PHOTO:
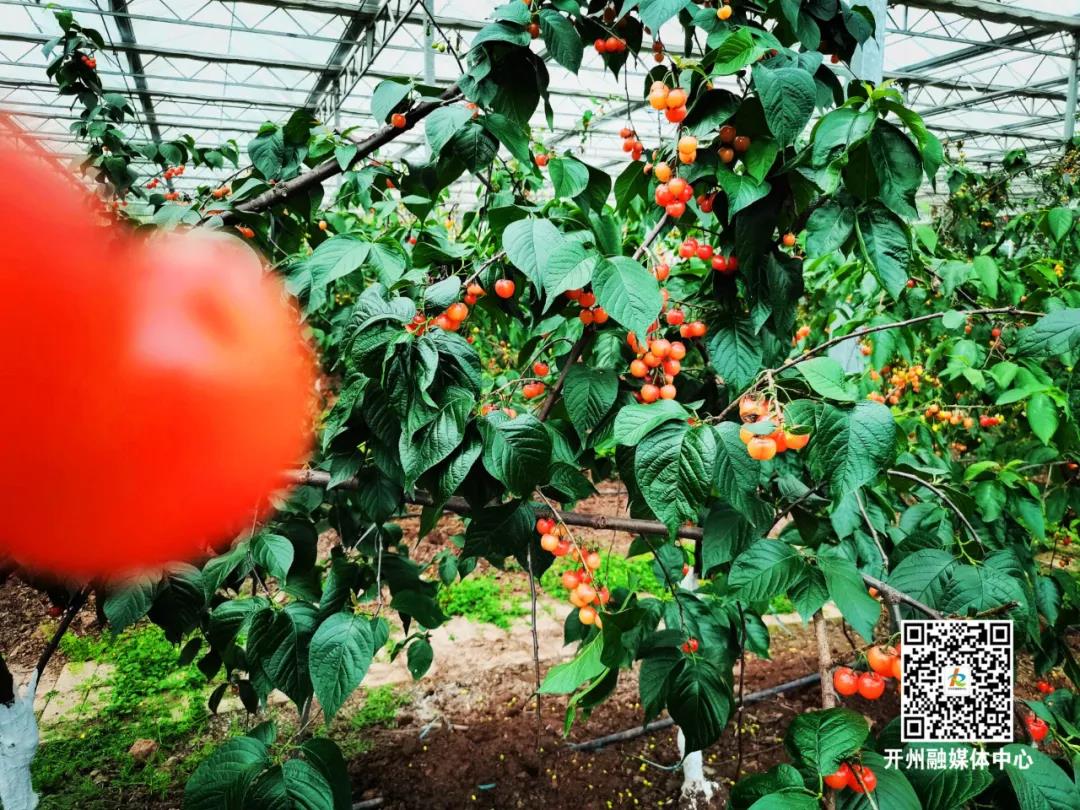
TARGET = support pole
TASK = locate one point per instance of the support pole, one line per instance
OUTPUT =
(429, 43)
(1070, 100)
(868, 61)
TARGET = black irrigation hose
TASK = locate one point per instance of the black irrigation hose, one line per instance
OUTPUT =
(667, 722)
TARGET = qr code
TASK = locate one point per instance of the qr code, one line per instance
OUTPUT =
(957, 683)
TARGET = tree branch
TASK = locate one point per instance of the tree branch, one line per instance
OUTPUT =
(869, 330)
(330, 167)
(941, 494)
(572, 357)
(460, 506)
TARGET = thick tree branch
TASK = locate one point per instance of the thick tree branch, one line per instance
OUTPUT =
(328, 168)
(460, 506)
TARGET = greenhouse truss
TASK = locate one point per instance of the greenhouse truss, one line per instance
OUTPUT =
(990, 76)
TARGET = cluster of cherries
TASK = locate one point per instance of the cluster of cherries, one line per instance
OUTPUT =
(672, 101)
(89, 61)
(884, 663)
(691, 247)
(673, 196)
(660, 362)
(583, 593)
(858, 778)
(765, 447)
(449, 320)
(732, 143)
(630, 142)
(801, 334)
(169, 173)
(590, 312)
(535, 388)
(610, 45)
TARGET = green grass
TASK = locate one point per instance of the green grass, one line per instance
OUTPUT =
(616, 571)
(84, 764)
(380, 708)
(482, 598)
(781, 604)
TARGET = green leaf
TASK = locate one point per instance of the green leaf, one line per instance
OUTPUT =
(589, 394)
(341, 652)
(568, 266)
(517, 452)
(279, 641)
(419, 658)
(893, 789)
(569, 176)
(654, 13)
(510, 134)
(273, 552)
(828, 228)
(324, 755)
(986, 270)
(387, 95)
(787, 799)
(827, 377)
(1060, 222)
(673, 466)
(737, 474)
(733, 52)
(838, 132)
(335, 258)
(628, 292)
(293, 785)
(736, 353)
(438, 438)
(847, 590)
(759, 158)
(699, 701)
(267, 153)
(634, 422)
(765, 569)
(787, 96)
(1042, 415)
(953, 320)
(887, 249)
(1051, 335)
(443, 124)
(742, 190)
(528, 243)
(421, 606)
(631, 183)
(563, 679)
(344, 154)
(822, 740)
(474, 146)
(221, 779)
(947, 788)
(849, 447)
(898, 166)
(1043, 786)
(127, 605)
(443, 293)
(562, 39)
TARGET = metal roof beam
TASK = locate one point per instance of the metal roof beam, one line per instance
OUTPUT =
(134, 60)
(998, 13)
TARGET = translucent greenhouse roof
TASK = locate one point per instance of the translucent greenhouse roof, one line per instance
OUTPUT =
(993, 75)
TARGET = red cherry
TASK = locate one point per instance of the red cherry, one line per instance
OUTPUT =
(1037, 728)
(839, 780)
(504, 288)
(845, 681)
(862, 779)
(871, 685)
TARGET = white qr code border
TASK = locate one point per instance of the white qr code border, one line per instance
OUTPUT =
(995, 698)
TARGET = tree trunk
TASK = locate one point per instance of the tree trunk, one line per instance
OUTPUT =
(18, 744)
